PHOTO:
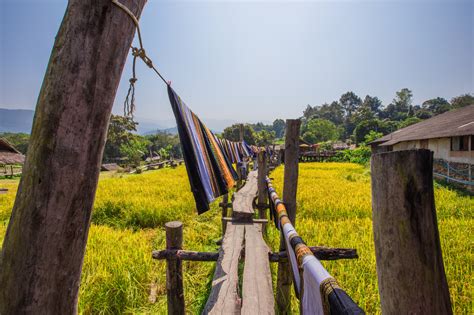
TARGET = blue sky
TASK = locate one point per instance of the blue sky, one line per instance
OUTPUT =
(250, 61)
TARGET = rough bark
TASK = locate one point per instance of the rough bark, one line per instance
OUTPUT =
(174, 269)
(43, 250)
(410, 267)
(290, 183)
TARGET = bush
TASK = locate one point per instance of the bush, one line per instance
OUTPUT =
(360, 155)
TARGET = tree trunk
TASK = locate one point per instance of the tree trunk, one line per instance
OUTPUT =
(43, 250)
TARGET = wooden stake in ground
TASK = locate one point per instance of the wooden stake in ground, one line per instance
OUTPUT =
(292, 142)
(410, 267)
(43, 250)
(174, 269)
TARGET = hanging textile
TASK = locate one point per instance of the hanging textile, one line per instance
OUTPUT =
(209, 172)
(319, 293)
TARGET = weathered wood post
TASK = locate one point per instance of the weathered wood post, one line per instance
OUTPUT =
(174, 269)
(290, 184)
(43, 250)
(262, 186)
(410, 267)
(224, 205)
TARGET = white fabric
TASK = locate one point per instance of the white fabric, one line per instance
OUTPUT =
(313, 274)
(288, 230)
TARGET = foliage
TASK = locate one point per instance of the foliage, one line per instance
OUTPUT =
(409, 121)
(165, 144)
(134, 150)
(359, 155)
(356, 118)
(18, 140)
(372, 136)
(279, 127)
(119, 134)
(462, 100)
(264, 137)
(437, 105)
(318, 130)
(130, 211)
(233, 133)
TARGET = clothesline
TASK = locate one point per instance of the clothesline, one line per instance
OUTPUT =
(318, 291)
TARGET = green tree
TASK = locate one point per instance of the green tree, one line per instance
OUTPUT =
(318, 130)
(233, 133)
(403, 100)
(462, 100)
(264, 137)
(134, 149)
(165, 140)
(372, 136)
(120, 133)
(437, 105)
(365, 127)
(349, 102)
(409, 121)
(279, 128)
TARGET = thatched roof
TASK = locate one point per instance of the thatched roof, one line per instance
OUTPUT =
(459, 122)
(10, 155)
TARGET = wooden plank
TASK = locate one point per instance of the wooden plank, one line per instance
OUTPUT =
(257, 292)
(243, 198)
(224, 297)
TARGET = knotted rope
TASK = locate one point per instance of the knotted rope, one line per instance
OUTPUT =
(137, 52)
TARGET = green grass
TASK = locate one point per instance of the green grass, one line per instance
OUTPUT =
(334, 209)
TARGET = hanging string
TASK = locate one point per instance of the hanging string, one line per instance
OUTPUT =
(137, 52)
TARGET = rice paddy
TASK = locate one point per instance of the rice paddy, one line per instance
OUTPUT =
(334, 209)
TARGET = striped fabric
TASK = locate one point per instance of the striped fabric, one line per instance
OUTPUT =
(210, 173)
(319, 293)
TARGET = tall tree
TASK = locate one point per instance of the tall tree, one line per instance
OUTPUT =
(318, 130)
(349, 102)
(437, 105)
(403, 100)
(120, 133)
(279, 127)
(233, 133)
(43, 249)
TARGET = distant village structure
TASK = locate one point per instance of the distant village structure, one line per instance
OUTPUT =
(449, 135)
(9, 157)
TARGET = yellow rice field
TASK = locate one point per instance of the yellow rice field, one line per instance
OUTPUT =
(333, 210)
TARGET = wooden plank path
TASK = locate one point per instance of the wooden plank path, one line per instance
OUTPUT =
(242, 204)
(257, 295)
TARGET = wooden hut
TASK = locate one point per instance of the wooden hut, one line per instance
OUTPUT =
(9, 156)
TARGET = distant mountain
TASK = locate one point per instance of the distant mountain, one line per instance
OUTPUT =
(16, 120)
(21, 120)
(171, 131)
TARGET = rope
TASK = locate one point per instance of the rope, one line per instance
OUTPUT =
(137, 52)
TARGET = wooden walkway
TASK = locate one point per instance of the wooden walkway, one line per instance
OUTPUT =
(242, 237)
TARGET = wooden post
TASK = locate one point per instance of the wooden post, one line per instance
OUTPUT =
(262, 185)
(43, 250)
(174, 269)
(225, 202)
(241, 132)
(290, 184)
(410, 267)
